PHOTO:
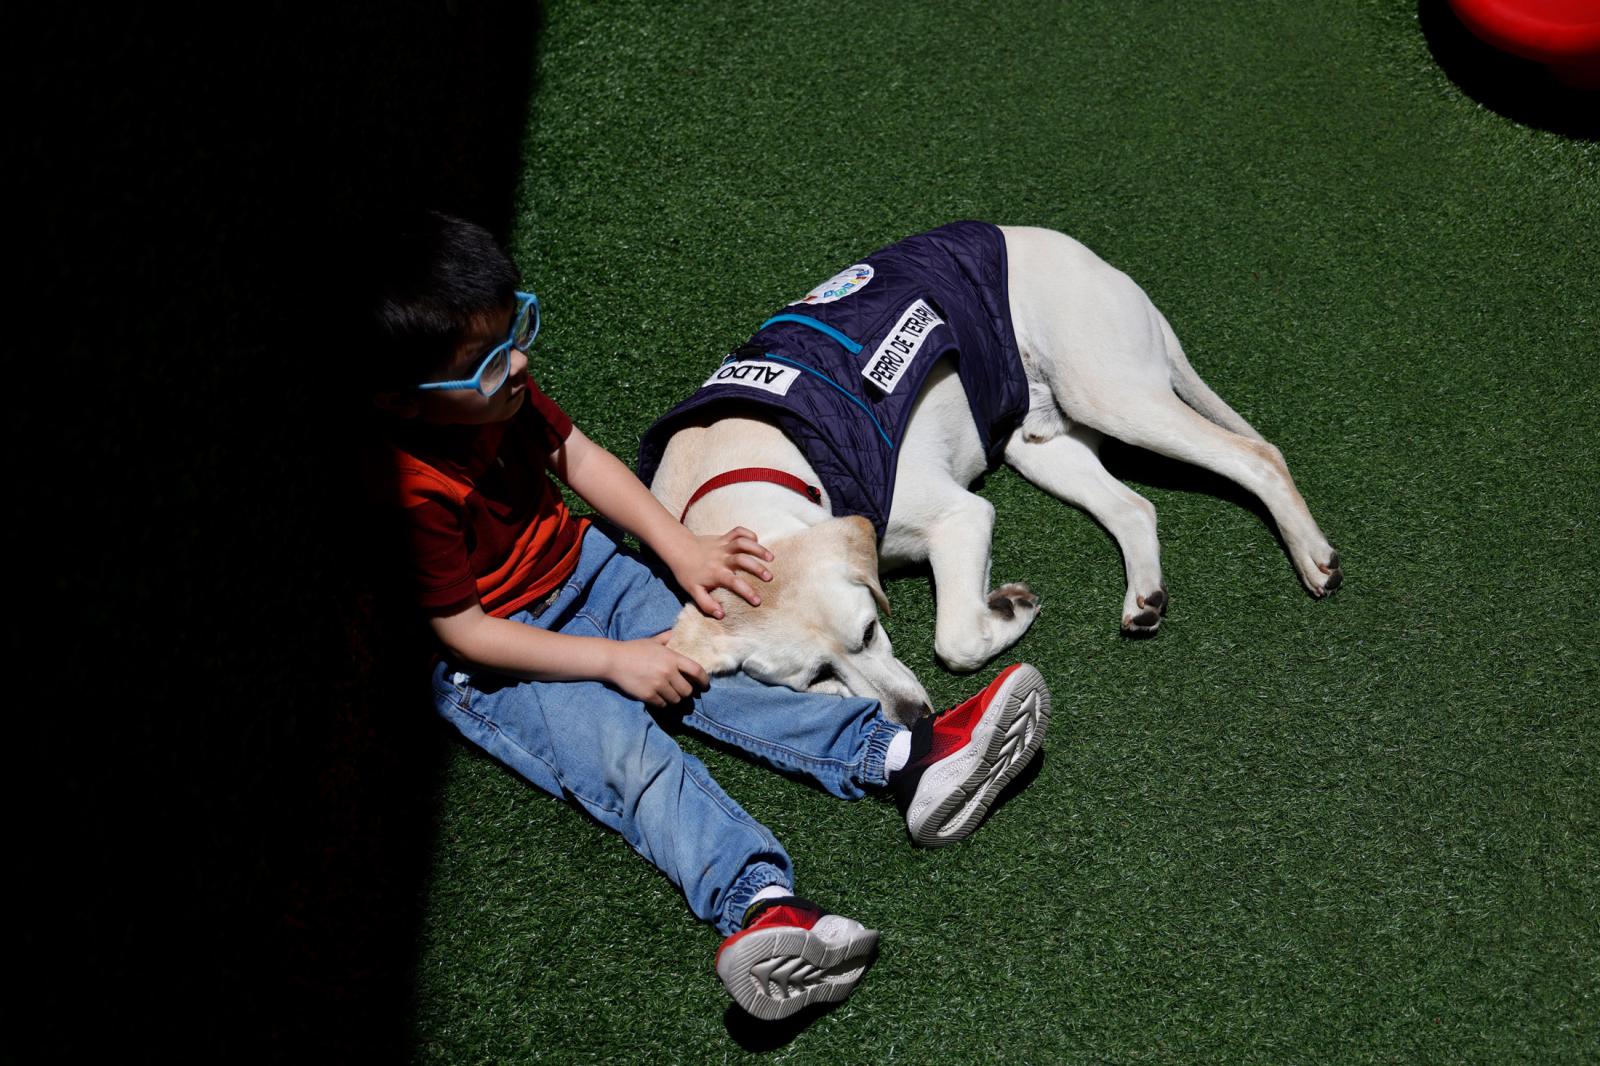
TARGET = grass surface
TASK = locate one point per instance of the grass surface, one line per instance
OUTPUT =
(1358, 830)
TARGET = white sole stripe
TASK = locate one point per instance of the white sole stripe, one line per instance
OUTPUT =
(954, 795)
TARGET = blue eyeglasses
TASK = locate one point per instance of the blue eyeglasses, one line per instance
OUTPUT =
(496, 366)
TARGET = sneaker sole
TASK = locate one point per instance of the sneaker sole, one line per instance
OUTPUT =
(773, 973)
(1006, 739)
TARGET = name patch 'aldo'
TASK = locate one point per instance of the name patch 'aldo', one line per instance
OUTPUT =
(768, 377)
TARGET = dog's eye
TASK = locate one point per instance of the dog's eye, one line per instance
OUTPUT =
(824, 673)
(871, 631)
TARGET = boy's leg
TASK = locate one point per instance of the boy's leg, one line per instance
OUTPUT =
(841, 742)
(588, 741)
(585, 741)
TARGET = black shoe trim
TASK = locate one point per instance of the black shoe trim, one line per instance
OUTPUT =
(904, 781)
(756, 909)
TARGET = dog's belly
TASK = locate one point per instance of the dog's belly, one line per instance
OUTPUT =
(940, 455)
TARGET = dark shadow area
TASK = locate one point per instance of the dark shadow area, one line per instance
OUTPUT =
(1520, 89)
(1128, 463)
(227, 805)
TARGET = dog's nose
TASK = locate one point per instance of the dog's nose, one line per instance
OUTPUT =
(906, 712)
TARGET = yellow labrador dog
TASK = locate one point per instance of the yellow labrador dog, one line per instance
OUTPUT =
(1092, 357)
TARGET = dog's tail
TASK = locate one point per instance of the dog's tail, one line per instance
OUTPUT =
(1196, 393)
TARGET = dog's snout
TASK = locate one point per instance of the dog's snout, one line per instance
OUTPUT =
(907, 711)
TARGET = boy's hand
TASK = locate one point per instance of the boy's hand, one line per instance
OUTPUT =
(699, 564)
(648, 670)
(714, 562)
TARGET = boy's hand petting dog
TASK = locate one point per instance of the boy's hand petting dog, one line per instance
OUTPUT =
(650, 671)
(714, 562)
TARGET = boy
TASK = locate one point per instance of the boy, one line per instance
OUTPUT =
(553, 639)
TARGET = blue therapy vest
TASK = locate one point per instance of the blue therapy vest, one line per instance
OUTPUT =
(839, 370)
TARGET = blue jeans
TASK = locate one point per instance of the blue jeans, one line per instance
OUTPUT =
(587, 741)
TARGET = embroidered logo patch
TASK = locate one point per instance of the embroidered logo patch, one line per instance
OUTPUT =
(842, 284)
(753, 373)
(888, 364)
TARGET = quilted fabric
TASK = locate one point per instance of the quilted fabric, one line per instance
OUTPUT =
(839, 369)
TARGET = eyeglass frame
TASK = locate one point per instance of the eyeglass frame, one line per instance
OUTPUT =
(525, 300)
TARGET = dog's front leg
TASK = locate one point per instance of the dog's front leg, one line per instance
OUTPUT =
(973, 624)
(1068, 467)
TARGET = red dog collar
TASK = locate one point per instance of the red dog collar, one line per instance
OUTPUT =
(755, 473)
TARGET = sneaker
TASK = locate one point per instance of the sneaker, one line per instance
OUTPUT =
(791, 954)
(964, 758)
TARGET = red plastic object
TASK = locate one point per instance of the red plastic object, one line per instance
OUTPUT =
(1564, 35)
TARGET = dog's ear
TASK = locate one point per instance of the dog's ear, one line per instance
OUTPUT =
(861, 553)
(705, 640)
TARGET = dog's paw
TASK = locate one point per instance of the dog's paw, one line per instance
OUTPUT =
(1006, 614)
(1329, 577)
(1007, 600)
(1145, 618)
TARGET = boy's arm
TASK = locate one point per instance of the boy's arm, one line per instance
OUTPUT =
(646, 669)
(700, 563)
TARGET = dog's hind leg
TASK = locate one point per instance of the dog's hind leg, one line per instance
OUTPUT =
(1068, 467)
(1164, 424)
(972, 624)
(1112, 362)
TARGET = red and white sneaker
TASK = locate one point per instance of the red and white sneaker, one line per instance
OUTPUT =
(962, 759)
(791, 954)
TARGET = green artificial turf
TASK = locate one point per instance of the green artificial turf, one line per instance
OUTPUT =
(1357, 830)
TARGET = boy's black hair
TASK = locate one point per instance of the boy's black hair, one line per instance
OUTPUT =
(433, 274)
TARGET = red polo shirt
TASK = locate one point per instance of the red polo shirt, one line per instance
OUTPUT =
(483, 517)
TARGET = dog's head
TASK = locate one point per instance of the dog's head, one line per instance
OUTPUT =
(817, 627)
